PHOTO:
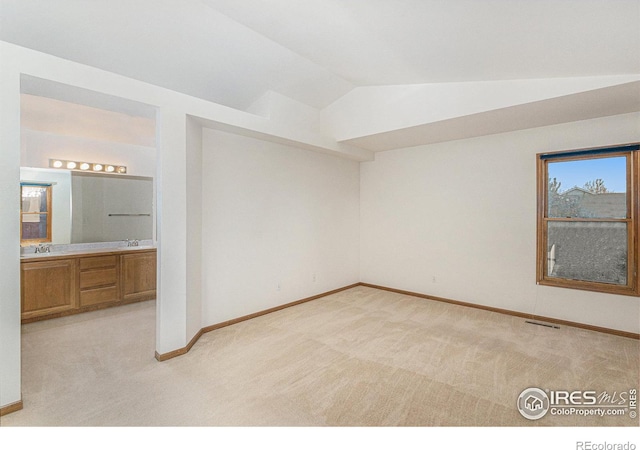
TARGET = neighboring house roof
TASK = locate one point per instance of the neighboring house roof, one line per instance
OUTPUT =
(587, 204)
(605, 205)
(574, 190)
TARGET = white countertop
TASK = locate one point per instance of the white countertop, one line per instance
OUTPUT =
(84, 251)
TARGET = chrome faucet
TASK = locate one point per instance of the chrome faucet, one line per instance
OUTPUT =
(43, 248)
(132, 243)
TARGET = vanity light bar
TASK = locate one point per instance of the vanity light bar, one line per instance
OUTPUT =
(87, 167)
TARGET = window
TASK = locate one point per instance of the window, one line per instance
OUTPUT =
(35, 213)
(587, 219)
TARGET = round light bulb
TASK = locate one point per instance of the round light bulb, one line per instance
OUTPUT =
(97, 167)
(71, 165)
(57, 164)
(110, 169)
(122, 169)
(84, 166)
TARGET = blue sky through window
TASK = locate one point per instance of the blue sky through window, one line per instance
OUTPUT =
(576, 173)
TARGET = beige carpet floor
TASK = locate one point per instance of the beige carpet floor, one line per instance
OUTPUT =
(361, 357)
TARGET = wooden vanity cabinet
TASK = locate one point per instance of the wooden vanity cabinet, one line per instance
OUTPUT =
(56, 286)
(138, 275)
(48, 287)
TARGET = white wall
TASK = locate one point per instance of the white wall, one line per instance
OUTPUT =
(284, 109)
(172, 222)
(71, 119)
(60, 199)
(274, 215)
(9, 235)
(195, 244)
(464, 212)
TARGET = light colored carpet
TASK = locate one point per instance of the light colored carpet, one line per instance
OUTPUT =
(361, 357)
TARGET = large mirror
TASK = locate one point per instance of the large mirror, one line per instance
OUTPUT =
(91, 207)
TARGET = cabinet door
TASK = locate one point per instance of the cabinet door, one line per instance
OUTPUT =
(139, 275)
(48, 287)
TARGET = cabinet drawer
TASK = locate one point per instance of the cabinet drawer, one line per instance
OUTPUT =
(98, 277)
(95, 262)
(95, 296)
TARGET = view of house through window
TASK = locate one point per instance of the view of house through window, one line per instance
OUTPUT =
(586, 224)
(585, 249)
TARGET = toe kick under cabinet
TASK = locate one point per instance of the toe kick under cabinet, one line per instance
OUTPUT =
(58, 285)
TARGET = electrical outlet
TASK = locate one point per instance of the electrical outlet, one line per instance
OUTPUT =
(278, 287)
(433, 280)
(313, 278)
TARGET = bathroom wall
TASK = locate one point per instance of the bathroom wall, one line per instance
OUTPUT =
(55, 129)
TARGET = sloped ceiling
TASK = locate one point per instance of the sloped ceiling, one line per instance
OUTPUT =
(390, 42)
(183, 45)
(317, 51)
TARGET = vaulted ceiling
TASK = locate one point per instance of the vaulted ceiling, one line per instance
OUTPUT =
(316, 52)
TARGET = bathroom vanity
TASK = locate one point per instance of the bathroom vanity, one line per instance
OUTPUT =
(63, 283)
(93, 238)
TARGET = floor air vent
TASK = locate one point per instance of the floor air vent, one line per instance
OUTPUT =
(548, 325)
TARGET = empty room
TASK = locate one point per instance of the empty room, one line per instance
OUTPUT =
(320, 214)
